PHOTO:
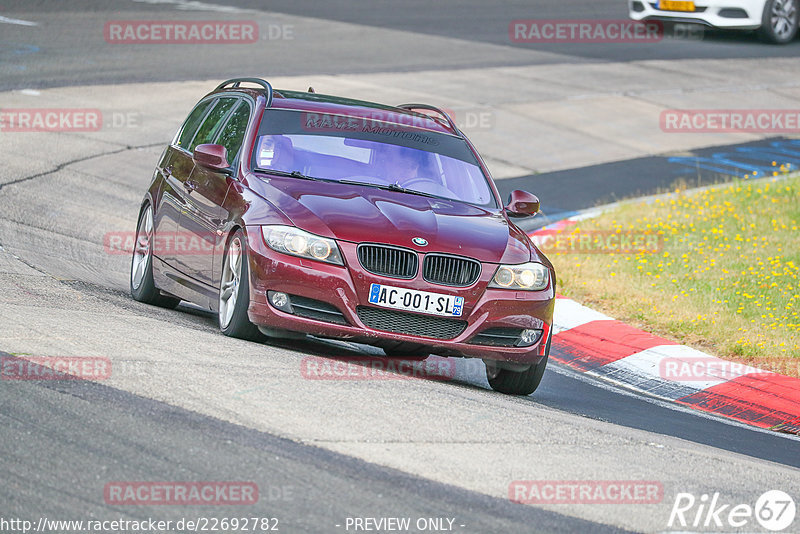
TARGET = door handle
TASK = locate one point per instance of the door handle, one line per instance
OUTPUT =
(190, 185)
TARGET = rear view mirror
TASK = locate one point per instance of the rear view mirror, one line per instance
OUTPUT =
(522, 204)
(211, 156)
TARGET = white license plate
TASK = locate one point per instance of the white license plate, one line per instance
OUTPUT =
(418, 301)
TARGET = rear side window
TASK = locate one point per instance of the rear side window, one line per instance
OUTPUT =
(191, 124)
(213, 122)
(232, 134)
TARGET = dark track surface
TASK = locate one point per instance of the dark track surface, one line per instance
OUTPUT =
(67, 47)
(165, 443)
(61, 442)
(564, 192)
(488, 22)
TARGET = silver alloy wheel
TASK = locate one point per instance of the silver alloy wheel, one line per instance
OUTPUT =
(783, 18)
(142, 249)
(231, 277)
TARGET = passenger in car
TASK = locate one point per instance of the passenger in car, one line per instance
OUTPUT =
(276, 152)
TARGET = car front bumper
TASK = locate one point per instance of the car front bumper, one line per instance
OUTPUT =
(728, 14)
(347, 289)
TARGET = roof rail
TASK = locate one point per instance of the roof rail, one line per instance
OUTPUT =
(426, 107)
(236, 82)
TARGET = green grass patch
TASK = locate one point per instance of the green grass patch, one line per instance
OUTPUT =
(723, 279)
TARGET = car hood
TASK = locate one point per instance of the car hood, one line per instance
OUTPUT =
(362, 214)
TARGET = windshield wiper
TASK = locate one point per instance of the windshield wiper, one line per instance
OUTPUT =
(390, 187)
(293, 174)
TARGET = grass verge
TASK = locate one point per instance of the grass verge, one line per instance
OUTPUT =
(716, 269)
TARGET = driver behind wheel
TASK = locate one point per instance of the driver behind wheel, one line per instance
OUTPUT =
(403, 165)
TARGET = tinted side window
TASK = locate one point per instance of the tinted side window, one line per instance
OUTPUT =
(232, 134)
(213, 122)
(191, 124)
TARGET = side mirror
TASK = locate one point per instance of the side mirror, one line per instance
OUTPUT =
(211, 156)
(522, 204)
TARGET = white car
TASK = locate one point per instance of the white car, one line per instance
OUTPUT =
(775, 19)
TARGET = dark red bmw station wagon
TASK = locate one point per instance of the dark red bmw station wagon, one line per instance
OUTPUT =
(345, 219)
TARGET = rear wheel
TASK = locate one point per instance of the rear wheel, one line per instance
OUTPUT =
(517, 382)
(779, 21)
(143, 288)
(234, 292)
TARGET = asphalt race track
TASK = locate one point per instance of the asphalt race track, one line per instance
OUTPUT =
(56, 63)
(185, 403)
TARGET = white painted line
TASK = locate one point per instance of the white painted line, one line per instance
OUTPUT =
(19, 22)
(193, 5)
(644, 370)
(681, 365)
(569, 314)
(30, 92)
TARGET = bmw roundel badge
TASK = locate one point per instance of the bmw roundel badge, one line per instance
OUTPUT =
(420, 241)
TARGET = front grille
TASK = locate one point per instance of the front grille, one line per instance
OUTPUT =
(450, 270)
(498, 337)
(410, 324)
(317, 310)
(388, 261)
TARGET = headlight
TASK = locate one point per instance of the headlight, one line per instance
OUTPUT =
(297, 242)
(527, 276)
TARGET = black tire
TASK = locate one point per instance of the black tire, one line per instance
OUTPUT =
(519, 383)
(142, 286)
(238, 325)
(666, 28)
(402, 349)
(779, 21)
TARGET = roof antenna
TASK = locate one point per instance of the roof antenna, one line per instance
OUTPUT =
(311, 90)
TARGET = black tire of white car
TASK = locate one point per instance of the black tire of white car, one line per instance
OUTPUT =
(779, 21)
(519, 382)
(143, 288)
(238, 325)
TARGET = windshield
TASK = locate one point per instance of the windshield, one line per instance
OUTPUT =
(425, 162)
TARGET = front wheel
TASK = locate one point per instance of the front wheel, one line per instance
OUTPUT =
(143, 288)
(234, 292)
(779, 21)
(517, 382)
